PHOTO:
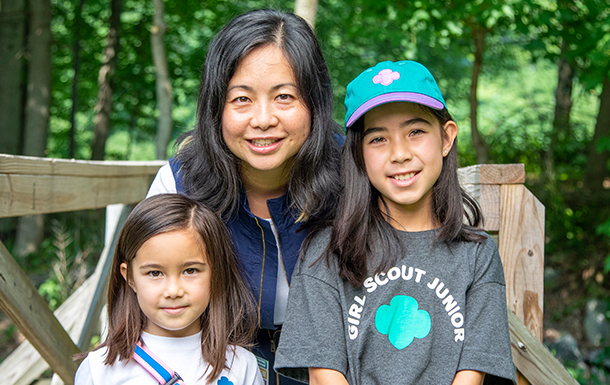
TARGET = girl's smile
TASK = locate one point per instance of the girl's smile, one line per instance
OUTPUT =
(171, 278)
(403, 149)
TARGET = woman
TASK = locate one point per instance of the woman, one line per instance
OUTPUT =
(264, 154)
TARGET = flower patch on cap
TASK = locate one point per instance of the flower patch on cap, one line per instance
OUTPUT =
(386, 77)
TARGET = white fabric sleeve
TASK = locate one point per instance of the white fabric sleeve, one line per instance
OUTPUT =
(253, 374)
(163, 183)
(83, 374)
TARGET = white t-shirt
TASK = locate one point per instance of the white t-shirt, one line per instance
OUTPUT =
(182, 355)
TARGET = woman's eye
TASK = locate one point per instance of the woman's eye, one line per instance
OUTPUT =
(416, 131)
(155, 273)
(190, 271)
(284, 97)
(241, 99)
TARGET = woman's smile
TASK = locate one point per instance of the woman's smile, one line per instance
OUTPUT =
(265, 121)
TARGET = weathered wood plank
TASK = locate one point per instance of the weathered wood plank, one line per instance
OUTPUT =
(25, 364)
(488, 196)
(26, 165)
(533, 359)
(20, 301)
(78, 315)
(521, 246)
(521, 380)
(39, 194)
(116, 216)
(492, 174)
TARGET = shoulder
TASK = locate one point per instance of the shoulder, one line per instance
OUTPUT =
(164, 182)
(487, 265)
(240, 354)
(313, 259)
(243, 365)
(317, 244)
(83, 373)
(93, 368)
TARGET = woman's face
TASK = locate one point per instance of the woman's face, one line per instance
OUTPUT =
(265, 121)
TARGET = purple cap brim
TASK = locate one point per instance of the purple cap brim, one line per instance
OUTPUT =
(394, 97)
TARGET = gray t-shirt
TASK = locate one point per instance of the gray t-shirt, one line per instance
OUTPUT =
(440, 309)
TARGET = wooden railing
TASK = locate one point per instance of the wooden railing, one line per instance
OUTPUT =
(38, 186)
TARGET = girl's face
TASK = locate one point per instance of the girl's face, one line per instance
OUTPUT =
(171, 278)
(403, 149)
(265, 121)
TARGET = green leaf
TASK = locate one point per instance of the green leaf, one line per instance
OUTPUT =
(508, 11)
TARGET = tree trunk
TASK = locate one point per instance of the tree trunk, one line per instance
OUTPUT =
(164, 87)
(597, 160)
(563, 102)
(39, 80)
(307, 10)
(103, 106)
(480, 147)
(561, 118)
(76, 67)
(12, 49)
(30, 230)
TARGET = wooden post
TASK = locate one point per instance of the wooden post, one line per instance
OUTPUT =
(521, 246)
(513, 213)
(24, 306)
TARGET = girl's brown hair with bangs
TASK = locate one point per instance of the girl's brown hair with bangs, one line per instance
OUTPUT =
(230, 318)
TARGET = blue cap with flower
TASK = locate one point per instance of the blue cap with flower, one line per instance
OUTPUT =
(387, 82)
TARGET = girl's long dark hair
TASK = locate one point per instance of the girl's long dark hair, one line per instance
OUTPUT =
(230, 318)
(211, 173)
(360, 226)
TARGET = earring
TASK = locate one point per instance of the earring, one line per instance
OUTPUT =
(445, 152)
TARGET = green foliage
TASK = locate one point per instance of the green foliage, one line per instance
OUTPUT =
(70, 270)
(8, 333)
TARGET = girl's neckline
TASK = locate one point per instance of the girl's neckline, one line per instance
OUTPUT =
(149, 336)
(420, 232)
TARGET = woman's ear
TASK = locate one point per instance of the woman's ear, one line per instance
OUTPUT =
(450, 130)
(129, 281)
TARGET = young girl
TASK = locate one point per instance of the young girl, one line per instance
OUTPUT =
(411, 292)
(263, 155)
(178, 309)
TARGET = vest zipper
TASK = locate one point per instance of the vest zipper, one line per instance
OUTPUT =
(260, 291)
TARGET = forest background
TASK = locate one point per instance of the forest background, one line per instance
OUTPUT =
(527, 82)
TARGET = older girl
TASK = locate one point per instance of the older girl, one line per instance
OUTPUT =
(264, 153)
(411, 292)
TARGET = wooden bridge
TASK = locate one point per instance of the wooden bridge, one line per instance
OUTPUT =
(513, 216)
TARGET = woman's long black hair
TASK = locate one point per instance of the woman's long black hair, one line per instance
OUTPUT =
(211, 173)
(361, 227)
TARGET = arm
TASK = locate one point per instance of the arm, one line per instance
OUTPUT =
(467, 377)
(322, 376)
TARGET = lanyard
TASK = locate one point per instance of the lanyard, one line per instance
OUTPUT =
(155, 367)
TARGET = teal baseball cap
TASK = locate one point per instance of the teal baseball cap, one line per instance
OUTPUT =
(387, 82)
